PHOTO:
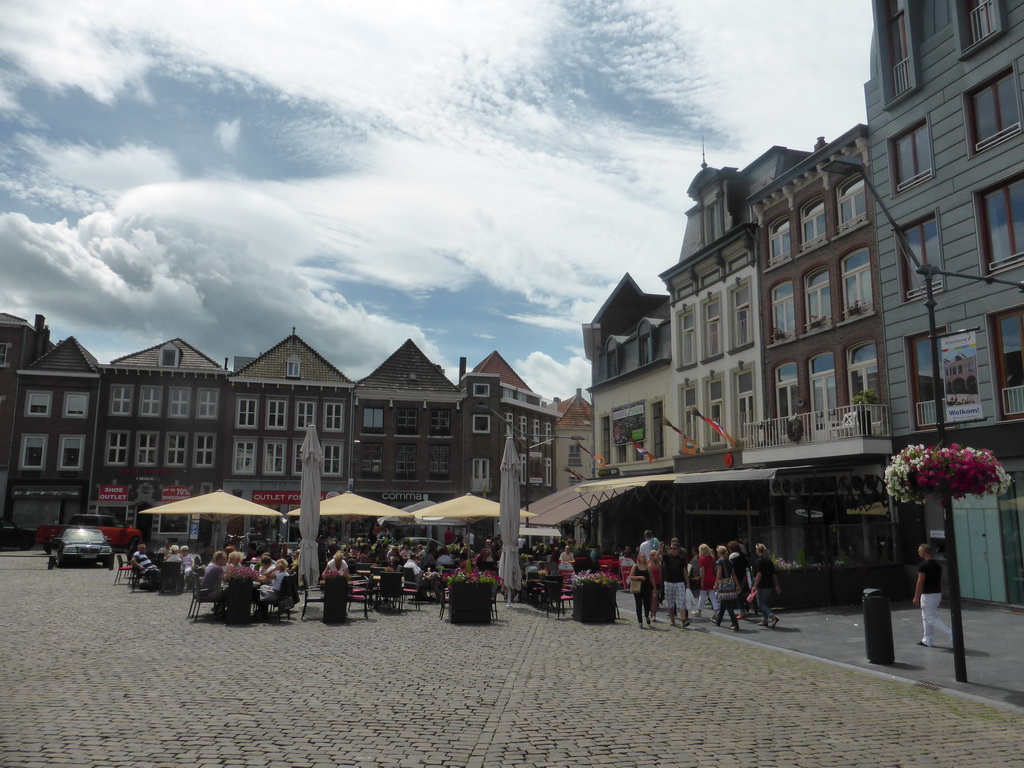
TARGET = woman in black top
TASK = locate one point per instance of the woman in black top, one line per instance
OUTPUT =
(641, 574)
(765, 581)
(740, 565)
(723, 571)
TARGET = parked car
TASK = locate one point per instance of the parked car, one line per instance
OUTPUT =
(81, 546)
(12, 535)
(119, 534)
(425, 541)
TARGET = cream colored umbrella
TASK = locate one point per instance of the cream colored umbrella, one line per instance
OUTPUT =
(468, 509)
(211, 506)
(350, 504)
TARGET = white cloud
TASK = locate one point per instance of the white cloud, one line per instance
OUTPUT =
(550, 378)
(227, 134)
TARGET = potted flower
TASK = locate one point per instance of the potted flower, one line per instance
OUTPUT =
(855, 308)
(778, 334)
(470, 594)
(917, 472)
(866, 397)
(593, 596)
(814, 321)
(335, 590)
(238, 595)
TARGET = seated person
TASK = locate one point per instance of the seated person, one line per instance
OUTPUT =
(428, 559)
(268, 568)
(566, 560)
(445, 560)
(626, 559)
(412, 565)
(274, 593)
(148, 573)
(212, 584)
(337, 564)
(531, 566)
(173, 555)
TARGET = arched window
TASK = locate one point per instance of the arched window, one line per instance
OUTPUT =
(779, 240)
(852, 205)
(817, 299)
(863, 368)
(812, 221)
(786, 390)
(857, 281)
(783, 312)
(823, 382)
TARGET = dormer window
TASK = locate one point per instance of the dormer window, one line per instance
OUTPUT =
(293, 368)
(169, 356)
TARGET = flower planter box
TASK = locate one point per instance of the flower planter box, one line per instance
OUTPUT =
(238, 604)
(335, 601)
(803, 589)
(469, 603)
(593, 603)
(851, 583)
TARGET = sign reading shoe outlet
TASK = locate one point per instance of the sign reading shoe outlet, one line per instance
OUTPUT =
(113, 493)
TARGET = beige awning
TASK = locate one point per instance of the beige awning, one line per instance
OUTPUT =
(622, 483)
(559, 506)
(725, 476)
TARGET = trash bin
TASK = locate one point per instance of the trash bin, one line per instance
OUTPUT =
(878, 627)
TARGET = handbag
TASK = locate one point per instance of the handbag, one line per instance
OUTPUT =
(752, 596)
(727, 589)
(636, 586)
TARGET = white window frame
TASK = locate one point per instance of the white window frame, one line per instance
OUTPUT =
(33, 441)
(274, 457)
(745, 400)
(687, 338)
(179, 404)
(205, 452)
(823, 384)
(857, 293)
(713, 327)
(812, 223)
(852, 203)
(297, 457)
(151, 401)
(305, 413)
(121, 396)
(115, 451)
(787, 390)
(176, 449)
(547, 471)
(687, 402)
(170, 356)
(4, 351)
(439, 462)
(72, 412)
(861, 373)
(65, 440)
(277, 413)
(818, 298)
(783, 309)
(207, 404)
(334, 459)
(147, 448)
(334, 416)
(741, 315)
(715, 409)
(481, 390)
(243, 461)
(38, 404)
(780, 241)
(482, 423)
(246, 412)
(293, 368)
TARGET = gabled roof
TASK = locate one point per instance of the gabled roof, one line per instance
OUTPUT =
(626, 305)
(6, 317)
(67, 356)
(575, 412)
(273, 364)
(407, 370)
(495, 364)
(191, 358)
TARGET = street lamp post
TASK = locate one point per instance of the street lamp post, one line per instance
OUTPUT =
(848, 165)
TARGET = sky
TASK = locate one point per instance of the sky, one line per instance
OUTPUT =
(469, 174)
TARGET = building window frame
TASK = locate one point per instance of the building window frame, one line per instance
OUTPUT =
(76, 405)
(744, 399)
(821, 372)
(121, 396)
(817, 298)
(862, 371)
(713, 327)
(812, 223)
(911, 157)
(1002, 213)
(921, 386)
(780, 241)
(73, 447)
(204, 452)
(371, 460)
(246, 412)
(687, 338)
(440, 422)
(147, 448)
(852, 203)
(175, 449)
(116, 448)
(406, 421)
(923, 238)
(33, 452)
(243, 457)
(783, 310)
(333, 459)
(179, 403)
(405, 461)
(207, 403)
(439, 462)
(993, 112)
(787, 390)
(740, 298)
(38, 404)
(858, 295)
(275, 457)
(373, 421)
(1008, 352)
(334, 416)
(305, 413)
(151, 401)
(481, 424)
(277, 413)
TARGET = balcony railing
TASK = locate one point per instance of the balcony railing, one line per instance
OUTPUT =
(1013, 400)
(981, 21)
(901, 77)
(848, 421)
(925, 411)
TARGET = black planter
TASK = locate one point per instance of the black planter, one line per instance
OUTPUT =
(335, 600)
(239, 602)
(593, 602)
(469, 603)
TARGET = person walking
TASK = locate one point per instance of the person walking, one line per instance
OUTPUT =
(706, 563)
(740, 568)
(640, 586)
(674, 574)
(766, 580)
(928, 594)
(654, 563)
(725, 588)
(645, 545)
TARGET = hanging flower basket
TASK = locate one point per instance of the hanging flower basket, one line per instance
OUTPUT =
(917, 472)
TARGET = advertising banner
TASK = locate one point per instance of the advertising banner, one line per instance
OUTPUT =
(960, 377)
(628, 423)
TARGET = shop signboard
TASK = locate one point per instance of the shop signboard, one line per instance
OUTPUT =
(960, 377)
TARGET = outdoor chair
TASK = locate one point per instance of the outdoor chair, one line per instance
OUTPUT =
(411, 587)
(555, 596)
(311, 594)
(359, 592)
(170, 579)
(124, 571)
(390, 590)
(287, 598)
(199, 598)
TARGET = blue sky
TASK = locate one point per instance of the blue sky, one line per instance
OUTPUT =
(471, 175)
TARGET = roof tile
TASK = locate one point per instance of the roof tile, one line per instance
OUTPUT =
(408, 369)
(191, 358)
(495, 364)
(273, 364)
(67, 356)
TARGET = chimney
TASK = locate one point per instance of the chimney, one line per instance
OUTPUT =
(820, 143)
(225, 363)
(462, 368)
(579, 392)
(42, 339)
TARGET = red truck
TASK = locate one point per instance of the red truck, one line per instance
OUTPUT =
(121, 536)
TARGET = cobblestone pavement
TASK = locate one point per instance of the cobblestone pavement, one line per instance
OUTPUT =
(94, 675)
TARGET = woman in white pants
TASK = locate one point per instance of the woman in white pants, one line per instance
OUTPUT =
(706, 561)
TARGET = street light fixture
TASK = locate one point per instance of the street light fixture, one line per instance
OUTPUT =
(849, 165)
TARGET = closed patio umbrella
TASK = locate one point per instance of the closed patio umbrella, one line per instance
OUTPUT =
(312, 457)
(508, 566)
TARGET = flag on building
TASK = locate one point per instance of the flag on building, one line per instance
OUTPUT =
(599, 460)
(688, 444)
(577, 475)
(643, 451)
(715, 426)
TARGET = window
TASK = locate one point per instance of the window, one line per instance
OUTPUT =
(245, 457)
(151, 401)
(3, 354)
(120, 400)
(332, 459)
(923, 238)
(658, 427)
(644, 346)
(923, 389)
(606, 436)
(575, 460)
(687, 339)
(547, 471)
(522, 426)
(334, 416)
(823, 382)
(744, 398)
(38, 403)
(994, 112)
(71, 447)
(812, 222)
(899, 50)
(273, 457)
(406, 423)
(76, 405)
(305, 413)
(180, 402)
(535, 435)
(1003, 225)
(613, 362)
(205, 449)
(783, 311)
(439, 467)
(712, 220)
(293, 368)
(715, 394)
(373, 420)
(209, 399)
(863, 368)
(169, 356)
(296, 457)
(787, 391)
(687, 402)
(246, 416)
(441, 422)
(177, 448)
(779, 243)
(547, 429)
(481, 390)
(405, 461)
(33, 451)
(371, 460)
(741, 315)
(852, 203)
(482, 424)
(146, 444)
(117, 448)
(712, 328)
(481, 480)
(817, 299)
(912, 160)
(1009, 354)
(857, 282)
(277, 414)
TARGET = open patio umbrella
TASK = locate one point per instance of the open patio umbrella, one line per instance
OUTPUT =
(211, 506)
(468, 508)
(312, 457)
(508, 566)
(350, 504)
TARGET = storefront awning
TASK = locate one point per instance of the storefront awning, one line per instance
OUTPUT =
(559, 506)
(725, 476)
(594, 487)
